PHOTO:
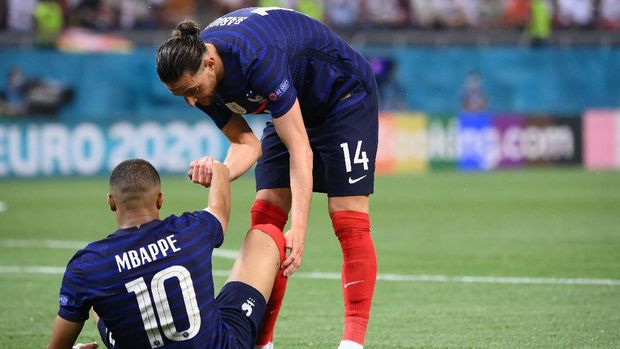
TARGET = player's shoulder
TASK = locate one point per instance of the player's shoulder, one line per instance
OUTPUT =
(193, 218)
(90, 255)
(197, 223)
(190, 215)
(252, 20)
(93, 248)
(251, 13)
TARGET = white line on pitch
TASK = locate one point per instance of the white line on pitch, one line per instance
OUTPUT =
(56, 244)
(76, 245)
(476, 279)
(383, 277)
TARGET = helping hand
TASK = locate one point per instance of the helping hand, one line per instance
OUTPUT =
(201, 171)
(294, 243)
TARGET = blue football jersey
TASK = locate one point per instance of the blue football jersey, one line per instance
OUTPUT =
(151, 285)
(272, 56)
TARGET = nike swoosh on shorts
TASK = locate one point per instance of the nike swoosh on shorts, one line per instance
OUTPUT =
(353, 181)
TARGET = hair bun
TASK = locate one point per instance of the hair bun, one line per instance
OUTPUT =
(187, 28)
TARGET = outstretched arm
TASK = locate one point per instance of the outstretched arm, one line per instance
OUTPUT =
(291, 130)
(219, 194)
(218, 178)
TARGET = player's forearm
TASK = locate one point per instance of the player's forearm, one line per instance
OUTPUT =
(244, 148)
(292, 131)
(301, 188)
(64, 333)
(241, 157)
(219, 194)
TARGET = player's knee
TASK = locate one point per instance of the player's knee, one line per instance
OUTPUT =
(352, 239)
(275, 234)
(350, 222)
(264, 212)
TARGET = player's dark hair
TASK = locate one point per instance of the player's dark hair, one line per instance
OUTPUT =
(181, 53)
(134, 176)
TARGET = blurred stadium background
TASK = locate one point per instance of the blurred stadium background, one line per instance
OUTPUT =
(497, 208)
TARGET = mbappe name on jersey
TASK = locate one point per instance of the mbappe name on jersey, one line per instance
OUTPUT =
(146, 254)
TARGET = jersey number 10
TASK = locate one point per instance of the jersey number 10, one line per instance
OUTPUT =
(153, 330)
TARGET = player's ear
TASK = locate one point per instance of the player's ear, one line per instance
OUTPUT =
(111, 203)
(208, 61)
(160, 200)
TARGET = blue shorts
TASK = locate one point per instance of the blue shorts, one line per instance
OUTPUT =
(242, 309)
(344, 148)
(106, 335)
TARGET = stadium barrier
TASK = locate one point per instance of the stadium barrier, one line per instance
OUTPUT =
(553, 80)
(43, 149)
(476, 142)
(408, 143)
(120, 109)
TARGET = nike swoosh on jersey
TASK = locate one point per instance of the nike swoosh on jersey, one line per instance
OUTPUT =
(353, 181)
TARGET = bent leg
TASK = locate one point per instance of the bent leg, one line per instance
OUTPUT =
(259, 259)
(351, 224)
(253, 274)
(272, 206)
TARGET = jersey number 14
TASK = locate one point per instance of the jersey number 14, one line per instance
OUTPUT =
(359, 158)
(153, 330)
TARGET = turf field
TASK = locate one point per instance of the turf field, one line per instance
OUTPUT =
(504, 260)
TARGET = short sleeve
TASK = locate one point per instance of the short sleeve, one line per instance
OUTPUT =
(75, 298)
(269, 75)
(213, 224)
(218, 113)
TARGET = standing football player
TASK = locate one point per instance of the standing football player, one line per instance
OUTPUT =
(151, 283)
(322, 137)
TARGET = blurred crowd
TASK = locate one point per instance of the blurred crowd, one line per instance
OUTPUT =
(463, 14)
(51, 16)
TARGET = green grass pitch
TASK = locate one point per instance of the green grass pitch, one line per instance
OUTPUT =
(540, 225)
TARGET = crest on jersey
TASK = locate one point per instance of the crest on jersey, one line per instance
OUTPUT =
(236, 108)
(256, 98)
(248, 306)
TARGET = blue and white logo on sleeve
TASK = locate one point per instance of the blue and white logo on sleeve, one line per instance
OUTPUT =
(284, 86)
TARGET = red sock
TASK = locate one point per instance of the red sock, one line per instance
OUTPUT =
(264, 212)
(359, 271)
